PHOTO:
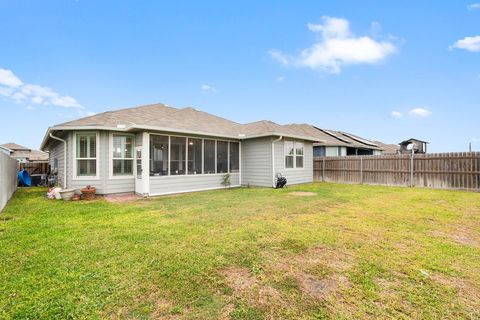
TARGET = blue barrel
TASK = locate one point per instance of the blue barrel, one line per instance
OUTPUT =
(24, 178)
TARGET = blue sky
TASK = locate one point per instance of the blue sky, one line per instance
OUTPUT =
(381, 69)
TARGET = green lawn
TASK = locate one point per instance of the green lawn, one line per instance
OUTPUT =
(347, 252)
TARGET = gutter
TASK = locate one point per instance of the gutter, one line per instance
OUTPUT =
(64, 158)
(273, 159)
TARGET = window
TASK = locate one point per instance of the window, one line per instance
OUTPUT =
(122, 155)
(86, 154)
(298, 154)
(222, 156)
(209, 156)
(178, 155)
(234, 157)
(158, 155)
(289, 154)
(294, 152)
(194, 156)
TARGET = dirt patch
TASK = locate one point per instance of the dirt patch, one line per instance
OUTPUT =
(302, 194)
(317, 288)
(226, 312)
(466, 291)
(461, 236)
(246, 286)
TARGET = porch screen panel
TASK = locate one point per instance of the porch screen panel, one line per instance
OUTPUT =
(194, 156)
(222, 156)
(234, 157)
(178, 155)
(209, 156)
(158, 155)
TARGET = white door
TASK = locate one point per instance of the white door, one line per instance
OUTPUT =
(138, 171)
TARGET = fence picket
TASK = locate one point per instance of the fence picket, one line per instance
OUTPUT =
(436, 170)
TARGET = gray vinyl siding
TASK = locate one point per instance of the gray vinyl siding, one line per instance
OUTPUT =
(295, 175)
(257, 162)
(56, 151)
(104, 184)
(187, 183)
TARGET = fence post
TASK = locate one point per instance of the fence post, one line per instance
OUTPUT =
(361, 170)
(412, 183)
(323, 169)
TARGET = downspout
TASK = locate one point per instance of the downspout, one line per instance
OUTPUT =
(273, 159)
(64, 158)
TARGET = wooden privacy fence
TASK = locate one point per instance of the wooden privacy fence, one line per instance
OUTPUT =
(34, 167)
(436, 170)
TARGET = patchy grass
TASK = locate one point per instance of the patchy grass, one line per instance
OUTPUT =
(343, 252)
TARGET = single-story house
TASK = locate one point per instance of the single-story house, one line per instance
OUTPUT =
(157, 150)
(389, 148)
(337, 143)
(23, 154)
(417, 145)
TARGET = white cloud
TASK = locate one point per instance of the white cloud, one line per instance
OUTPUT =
(473, 6)
(208, 88)
(420, 112)
(30, 108)
(12, 87)
(8, 79)
(397, 114)
(280, 78)
(468, 43)
(336, 48)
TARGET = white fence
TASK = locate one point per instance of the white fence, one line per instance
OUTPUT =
(8, 178)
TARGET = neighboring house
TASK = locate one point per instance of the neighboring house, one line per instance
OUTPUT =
(24, 154)
(418, 146)
(156, 150)
(389, 149)
(336, 143)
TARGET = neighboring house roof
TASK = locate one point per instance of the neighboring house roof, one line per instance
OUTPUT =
(335, 138)
(15, 147)
(18, 151)
(388, 148)
(413, 140)
(160, 117)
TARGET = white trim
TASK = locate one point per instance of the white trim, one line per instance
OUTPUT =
(273, 158)
(146, 163)
(203, 156)
(215, 156)
(111, 176)
(240, 162)
(192, 175)
(97, 157)
(169, 165)
(193, 190)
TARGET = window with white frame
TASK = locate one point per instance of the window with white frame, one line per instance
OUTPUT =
(289, 154)
(122, 155)
(86, 154)
(294, 153)
(299, 151)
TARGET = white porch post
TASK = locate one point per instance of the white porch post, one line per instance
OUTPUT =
(146, 163)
